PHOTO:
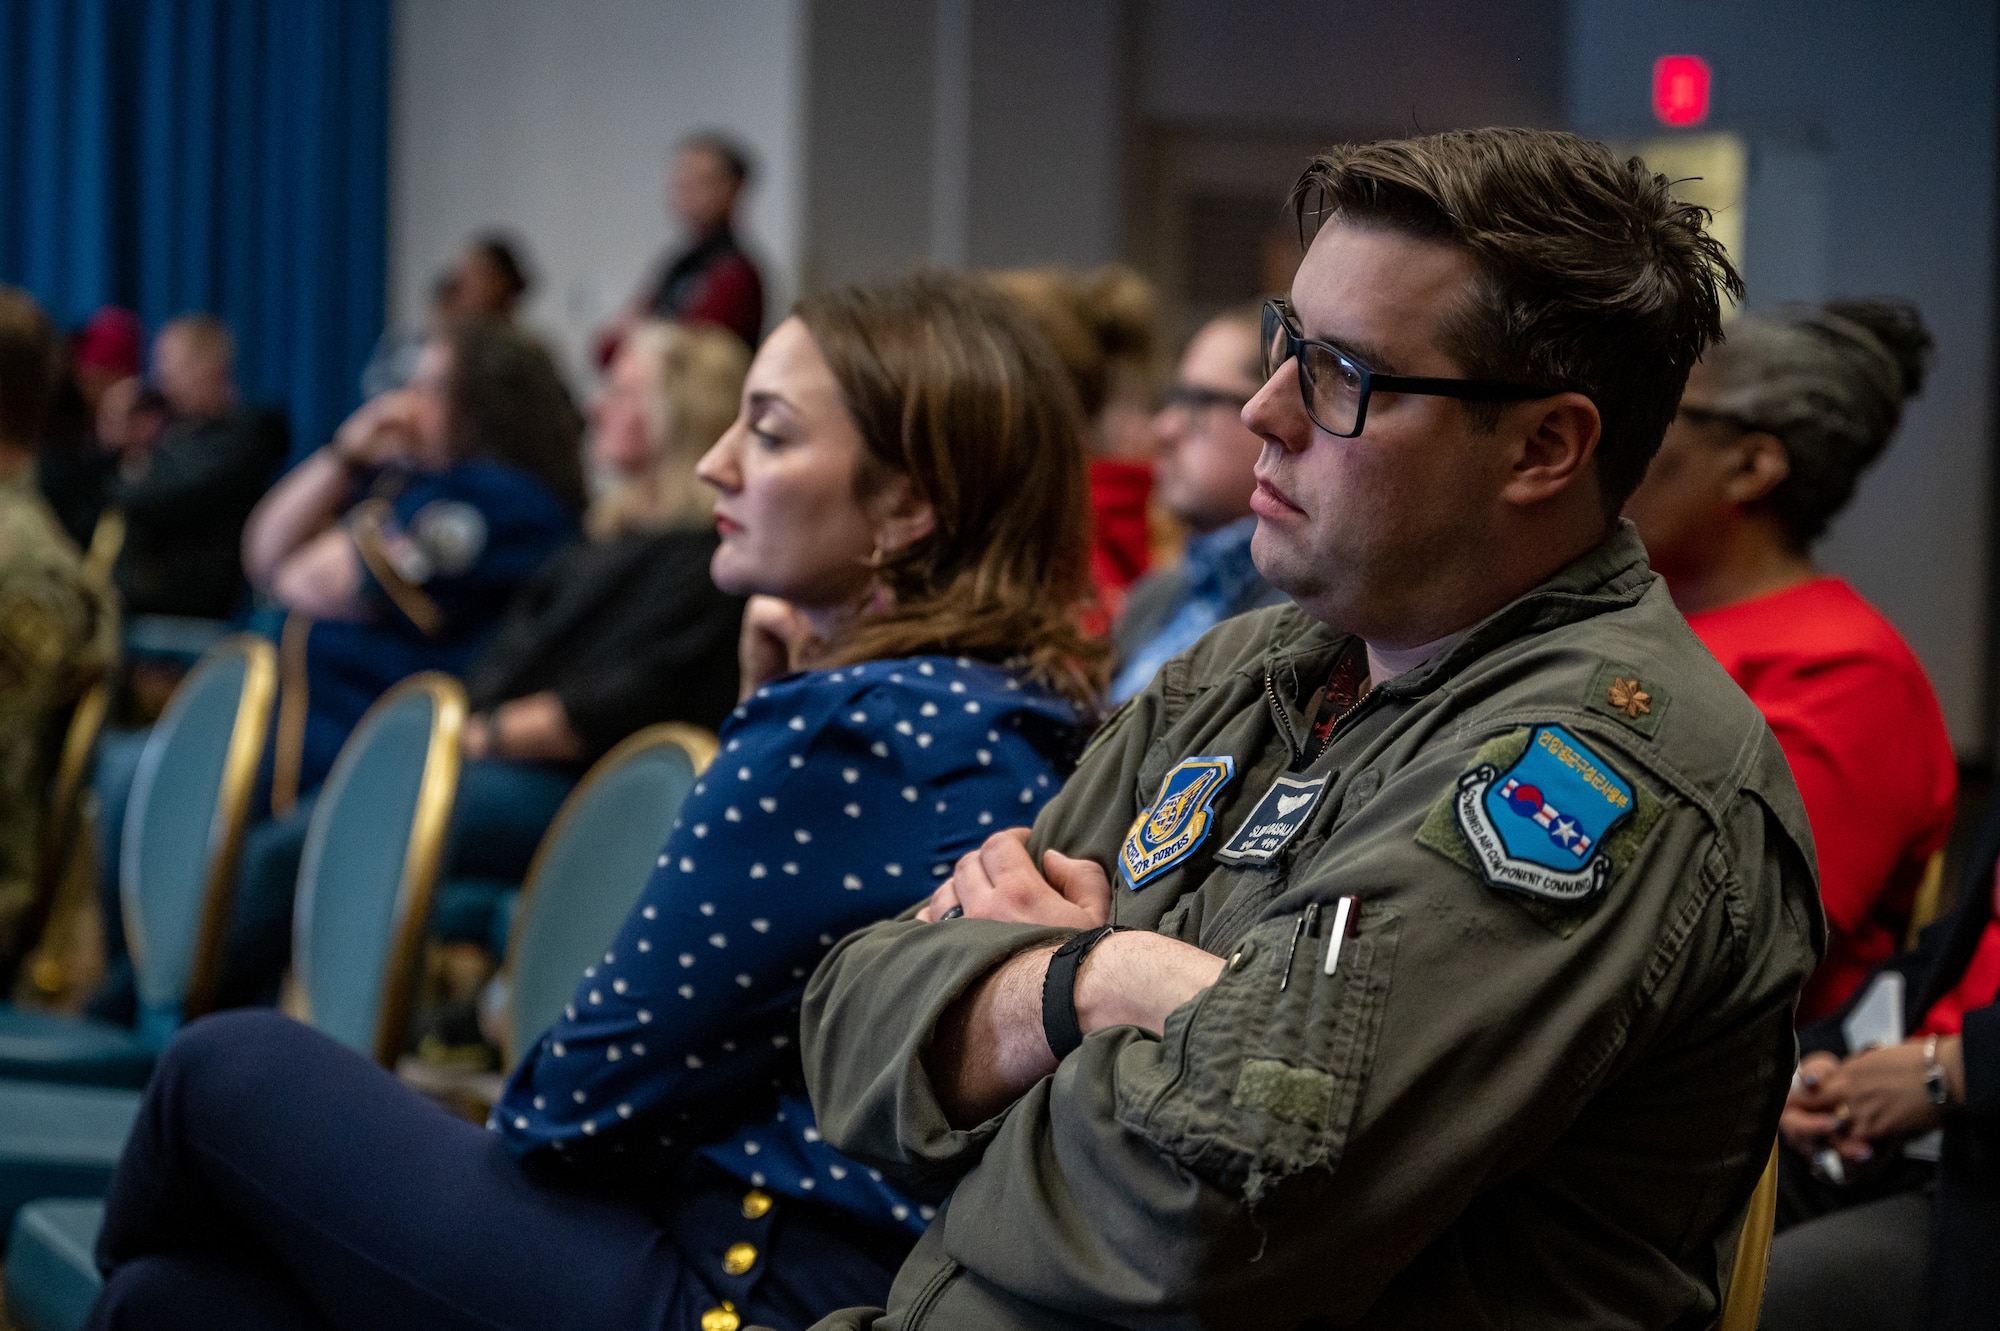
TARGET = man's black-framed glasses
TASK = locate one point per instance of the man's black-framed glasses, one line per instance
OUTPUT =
(1336, 387)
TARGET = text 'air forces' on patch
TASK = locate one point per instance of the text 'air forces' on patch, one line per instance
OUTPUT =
(1275, 821)
(1167, 833)
(1538, 826)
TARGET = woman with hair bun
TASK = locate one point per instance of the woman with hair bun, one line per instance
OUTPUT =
(1775, 428)
(904, 485)
(1105, 327)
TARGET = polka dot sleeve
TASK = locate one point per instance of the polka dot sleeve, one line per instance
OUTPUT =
(839, 798)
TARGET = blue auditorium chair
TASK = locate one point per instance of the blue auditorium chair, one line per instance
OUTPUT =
(177, 873)
(371, 856)
(590, 869)
(371, 859)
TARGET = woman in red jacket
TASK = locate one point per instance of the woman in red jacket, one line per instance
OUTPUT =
(1776, 425)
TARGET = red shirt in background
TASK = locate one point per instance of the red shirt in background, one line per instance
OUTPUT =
(1977, 987)
(1121, 544)
(1854, 712)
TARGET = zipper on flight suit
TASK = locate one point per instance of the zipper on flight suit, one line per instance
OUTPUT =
(1278, 712)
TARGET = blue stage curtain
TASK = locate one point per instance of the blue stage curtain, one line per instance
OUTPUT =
(228, 156)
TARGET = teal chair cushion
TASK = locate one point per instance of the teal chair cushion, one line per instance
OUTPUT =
(52, 1278)
(51, 1046)
(59, 1141)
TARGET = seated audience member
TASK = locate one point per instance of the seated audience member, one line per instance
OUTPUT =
(1447, 991)
(1777, 424)
(1204, 474)
(710, 280)
(487, 281)
(1105, 327)
(192, 464)
(401, 542)
(74, 470)
(907, 474)
(57, 628)
(617, 632)
(1901, 1241)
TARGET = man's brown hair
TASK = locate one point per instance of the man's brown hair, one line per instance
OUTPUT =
(30, 367)
(951, 387)
(1592, 277)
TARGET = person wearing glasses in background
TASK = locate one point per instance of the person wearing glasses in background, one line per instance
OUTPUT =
(1422, 953)
(1204, 475)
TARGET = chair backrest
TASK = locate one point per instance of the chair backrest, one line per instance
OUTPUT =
(1745, 1300)
(371, 858)
(184, 828)
(591, 868)
(1928, 901)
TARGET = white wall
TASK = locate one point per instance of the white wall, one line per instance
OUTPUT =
(1872, 172)
(555, 121)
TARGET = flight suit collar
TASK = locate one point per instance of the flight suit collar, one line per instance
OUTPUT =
(1610, 577)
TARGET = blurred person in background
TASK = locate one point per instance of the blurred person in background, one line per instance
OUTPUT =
(489, 280)
(709, 280)
(1901, 1237)
(400, 543)
(74, 470)
(1104, 325)
(58, 629)
(1204, 474)
(193, 460)
(1776, 426)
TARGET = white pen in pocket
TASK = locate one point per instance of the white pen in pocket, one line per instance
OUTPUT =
(1345, 912)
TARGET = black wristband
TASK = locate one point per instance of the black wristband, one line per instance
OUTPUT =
(1059, 1024)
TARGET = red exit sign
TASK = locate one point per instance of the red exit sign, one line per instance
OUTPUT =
(1680, 90)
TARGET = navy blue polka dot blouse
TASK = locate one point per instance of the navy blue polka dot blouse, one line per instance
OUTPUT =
(840, 797)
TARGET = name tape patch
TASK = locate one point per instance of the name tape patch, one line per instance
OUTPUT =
(1168, 832)
(1538, 826)
(1275, 821)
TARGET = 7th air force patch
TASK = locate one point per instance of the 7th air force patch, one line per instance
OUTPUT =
(1168, 832)
(1538, 826)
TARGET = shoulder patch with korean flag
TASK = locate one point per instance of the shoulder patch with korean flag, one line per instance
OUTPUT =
(1543, 815)
(1178, 820)
(1274, 822)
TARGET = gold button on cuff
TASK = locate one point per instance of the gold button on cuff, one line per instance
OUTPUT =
(738, 1258)
(723, 1318)
(756, 1204)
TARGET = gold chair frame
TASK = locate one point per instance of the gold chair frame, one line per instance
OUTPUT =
(288, 753)
(700, 745)
(422, 857)
(1744, 1302)
(226, 829)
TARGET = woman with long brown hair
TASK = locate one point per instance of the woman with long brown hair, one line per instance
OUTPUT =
(906, 475)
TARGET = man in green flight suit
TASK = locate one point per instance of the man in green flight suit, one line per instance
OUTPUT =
(57, 629)
(1461, 906)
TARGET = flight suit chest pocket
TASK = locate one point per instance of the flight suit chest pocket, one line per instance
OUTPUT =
(1258, 1078)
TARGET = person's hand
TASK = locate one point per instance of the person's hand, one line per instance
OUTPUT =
(773, 639)
(475, 737)
(1880, 1093)
(380, 430)
(999, 881)
(1809, 1118)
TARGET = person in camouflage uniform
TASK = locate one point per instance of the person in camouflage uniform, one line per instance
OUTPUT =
(58, 628)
